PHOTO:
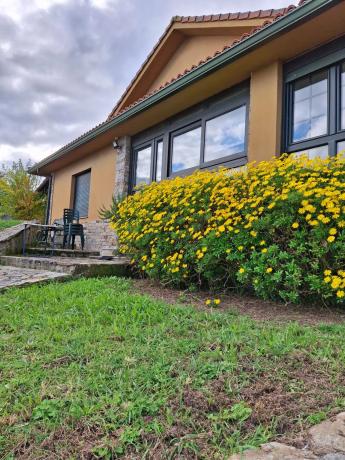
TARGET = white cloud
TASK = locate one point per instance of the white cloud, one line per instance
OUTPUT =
(16, 9)
(64, 63)
(103, 3)
(27, 152)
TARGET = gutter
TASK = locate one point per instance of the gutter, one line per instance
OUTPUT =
(308, 9)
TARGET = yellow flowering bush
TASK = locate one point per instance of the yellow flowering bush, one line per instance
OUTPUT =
(277, 229)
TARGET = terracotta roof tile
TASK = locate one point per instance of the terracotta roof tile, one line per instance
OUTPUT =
(244, 15)
(233, 16)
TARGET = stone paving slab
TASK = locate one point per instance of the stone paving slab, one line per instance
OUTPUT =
(329, 436)
(20, 277)
(275, 451)
(326, 441)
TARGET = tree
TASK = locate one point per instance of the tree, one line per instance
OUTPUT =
(18, 196)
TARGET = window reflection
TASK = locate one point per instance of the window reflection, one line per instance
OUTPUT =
(343, 96)
(225, 135)
(143, 167)
(186, 150)
(341, 148)
(310, 106)
(316, 152)
(159, 161)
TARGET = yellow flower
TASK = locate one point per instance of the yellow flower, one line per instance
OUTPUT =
(216, 301)
(221, 228)
(208, 302)
(264, 250)
(330, 239)
(269, 270)
(336, 282)
(327, 272)
(295, 225)
(340, 294)
(240, 248)
(228, 251)
(241, 270)
(333, 231)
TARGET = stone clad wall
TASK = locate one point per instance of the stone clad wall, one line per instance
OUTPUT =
(98, 235)
(11, 239)
(122, 166)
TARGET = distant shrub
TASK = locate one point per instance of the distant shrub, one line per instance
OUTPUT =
(276, 229)
(18, 196)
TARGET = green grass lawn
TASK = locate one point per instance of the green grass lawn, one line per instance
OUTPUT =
(8, 223)
(90, 369)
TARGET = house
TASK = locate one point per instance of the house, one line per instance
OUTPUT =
(217, 90)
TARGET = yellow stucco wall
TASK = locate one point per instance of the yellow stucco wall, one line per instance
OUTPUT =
(191, 51)
(264, 134)
(102, 165)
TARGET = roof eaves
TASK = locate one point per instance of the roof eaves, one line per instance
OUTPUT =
(211, 64)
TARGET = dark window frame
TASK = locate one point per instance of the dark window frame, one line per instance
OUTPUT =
(136, 151)
(156, 142)
(331, 58)
(197, 115)
(153, 144)
(74, 186)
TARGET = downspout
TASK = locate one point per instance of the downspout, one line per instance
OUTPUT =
(47, 215)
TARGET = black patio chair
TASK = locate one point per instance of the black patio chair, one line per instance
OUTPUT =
(70, 216)
(73, 231)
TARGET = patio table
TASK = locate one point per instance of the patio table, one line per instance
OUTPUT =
(53, 229)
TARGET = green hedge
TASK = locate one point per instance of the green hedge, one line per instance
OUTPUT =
(276, 229)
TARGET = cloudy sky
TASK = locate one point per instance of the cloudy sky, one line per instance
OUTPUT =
(64, 63)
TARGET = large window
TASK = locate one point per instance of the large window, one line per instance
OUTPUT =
(186, 147)
(159, 161)
(82, 193)
(315, 102)
(310, 106)
(341, 148)
(208, 135)
(343, 96)
(147, 163)
(143, 166)
(225, 135)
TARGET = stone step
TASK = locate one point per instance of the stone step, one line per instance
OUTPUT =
(40, 251)
(74, 266)
(21, 277)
